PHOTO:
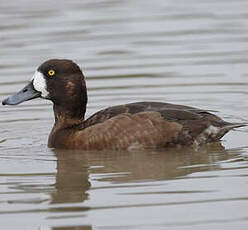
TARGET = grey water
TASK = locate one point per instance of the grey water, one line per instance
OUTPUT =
(192, 52)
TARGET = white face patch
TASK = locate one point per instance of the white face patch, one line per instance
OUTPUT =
(39, 83)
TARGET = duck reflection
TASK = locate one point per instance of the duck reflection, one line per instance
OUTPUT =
(74, 168)
(71, 179)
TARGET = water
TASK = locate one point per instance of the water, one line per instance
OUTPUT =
(187, 52)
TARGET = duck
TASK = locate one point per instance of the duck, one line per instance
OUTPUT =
(138, 125)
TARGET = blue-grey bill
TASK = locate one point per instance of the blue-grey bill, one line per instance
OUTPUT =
(26, 94)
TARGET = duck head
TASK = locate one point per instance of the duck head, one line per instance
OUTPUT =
(60, 81)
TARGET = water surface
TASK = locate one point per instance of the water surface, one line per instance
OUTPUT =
(187, 52)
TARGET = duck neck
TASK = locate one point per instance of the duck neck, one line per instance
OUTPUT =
(68, 116)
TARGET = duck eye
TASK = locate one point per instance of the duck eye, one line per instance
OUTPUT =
(51, 72)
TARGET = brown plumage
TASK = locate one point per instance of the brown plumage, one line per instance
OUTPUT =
(124, 131)
(130, 126)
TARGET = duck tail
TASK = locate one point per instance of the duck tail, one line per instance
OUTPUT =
(229, 126)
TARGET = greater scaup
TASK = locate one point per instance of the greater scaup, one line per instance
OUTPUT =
(130, 126)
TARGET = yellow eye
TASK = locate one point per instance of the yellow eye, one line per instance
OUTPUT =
(51, 72)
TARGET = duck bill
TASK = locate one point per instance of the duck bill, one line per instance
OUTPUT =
(26, 94)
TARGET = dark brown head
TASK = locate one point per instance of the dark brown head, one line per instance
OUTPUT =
(58, 80)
